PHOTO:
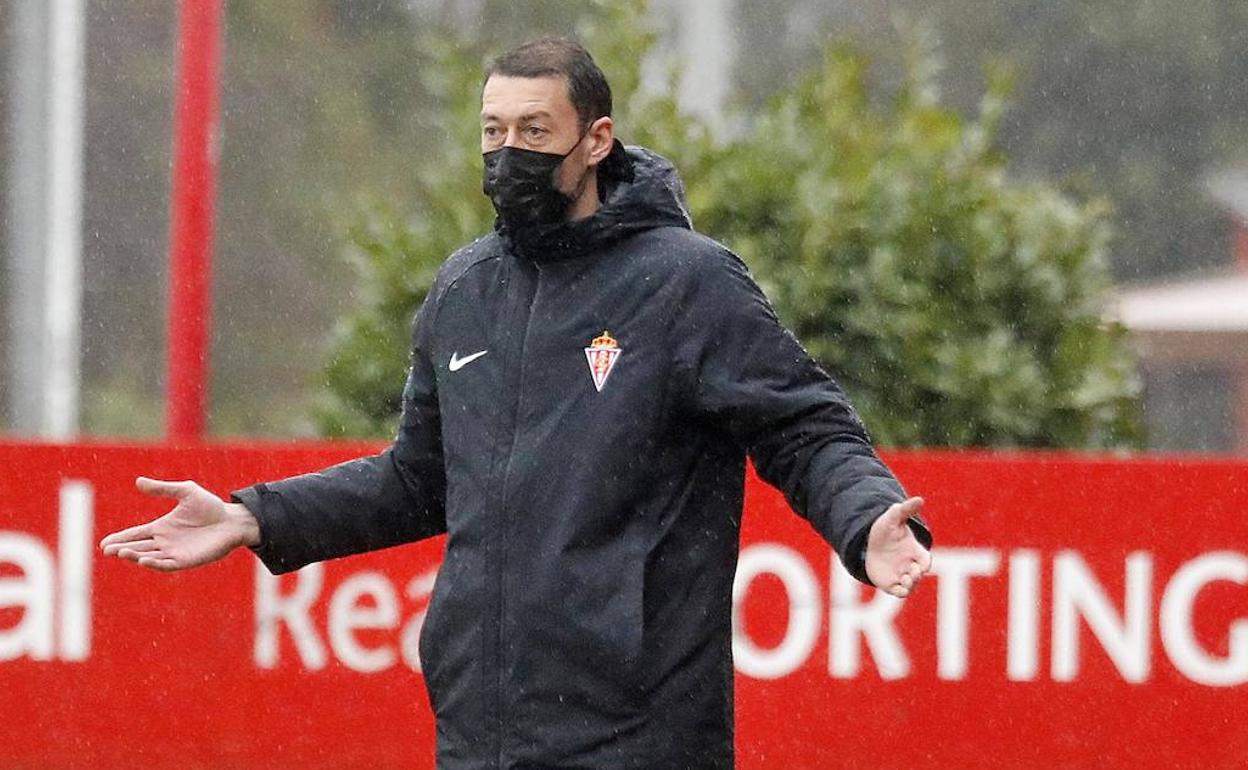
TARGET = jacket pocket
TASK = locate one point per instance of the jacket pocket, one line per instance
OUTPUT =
(577, 646)
(450, 638)
(430, 644)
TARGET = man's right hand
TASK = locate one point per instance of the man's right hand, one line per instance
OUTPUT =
(199, 530)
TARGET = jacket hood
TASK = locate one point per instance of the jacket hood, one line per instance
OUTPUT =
(640, 190)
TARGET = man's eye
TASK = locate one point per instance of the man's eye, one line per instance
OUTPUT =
(535, 131)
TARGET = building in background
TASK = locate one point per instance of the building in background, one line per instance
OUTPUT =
(1192, 337)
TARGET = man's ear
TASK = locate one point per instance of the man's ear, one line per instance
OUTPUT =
(601, 137)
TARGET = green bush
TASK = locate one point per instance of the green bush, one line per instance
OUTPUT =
(955, 306)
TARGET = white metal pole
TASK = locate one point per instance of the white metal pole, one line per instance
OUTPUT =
(63, 276)
(708, 48)
(27, 59)
(45, 216)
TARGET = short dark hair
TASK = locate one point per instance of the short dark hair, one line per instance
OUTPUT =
(588, 89)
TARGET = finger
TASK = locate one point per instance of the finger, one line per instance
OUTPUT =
(139, 532)
(906, 582)
(904, 510)
(898, 591)
(912, 505)
(178, 489)
(138, 546)
(141, 547)
(125, 554)
(158, 563)
(129, 554)
(925, 561)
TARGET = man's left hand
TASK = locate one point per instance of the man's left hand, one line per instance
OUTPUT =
(896, 562)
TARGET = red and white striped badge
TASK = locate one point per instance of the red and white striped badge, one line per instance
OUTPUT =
(602, 354)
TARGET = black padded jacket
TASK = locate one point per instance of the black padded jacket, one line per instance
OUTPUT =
(576, 420)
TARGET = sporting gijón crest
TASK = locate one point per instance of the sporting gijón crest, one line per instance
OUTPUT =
(602, 353)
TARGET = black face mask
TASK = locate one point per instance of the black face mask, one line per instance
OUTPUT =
(523, 186)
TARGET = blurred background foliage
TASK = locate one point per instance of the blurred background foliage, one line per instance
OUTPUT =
(955, 307)
(338, 123)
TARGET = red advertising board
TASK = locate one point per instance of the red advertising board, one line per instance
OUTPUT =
(1082, 612)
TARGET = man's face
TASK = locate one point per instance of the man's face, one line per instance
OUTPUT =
(537, 114)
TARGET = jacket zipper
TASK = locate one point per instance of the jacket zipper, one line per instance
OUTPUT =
(506, 508)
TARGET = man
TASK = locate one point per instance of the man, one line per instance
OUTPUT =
(586, 382)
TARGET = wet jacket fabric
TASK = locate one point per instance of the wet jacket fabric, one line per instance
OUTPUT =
(576, 419)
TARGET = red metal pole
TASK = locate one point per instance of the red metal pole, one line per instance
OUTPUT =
(191, 228)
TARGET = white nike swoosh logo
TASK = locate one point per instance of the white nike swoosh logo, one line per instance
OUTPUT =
(458, 363)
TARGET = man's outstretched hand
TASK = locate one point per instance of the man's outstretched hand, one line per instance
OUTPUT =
(200, 529)
(896, 561)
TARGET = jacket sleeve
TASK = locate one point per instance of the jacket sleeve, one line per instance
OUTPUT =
(386, 499)
(749, 375)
